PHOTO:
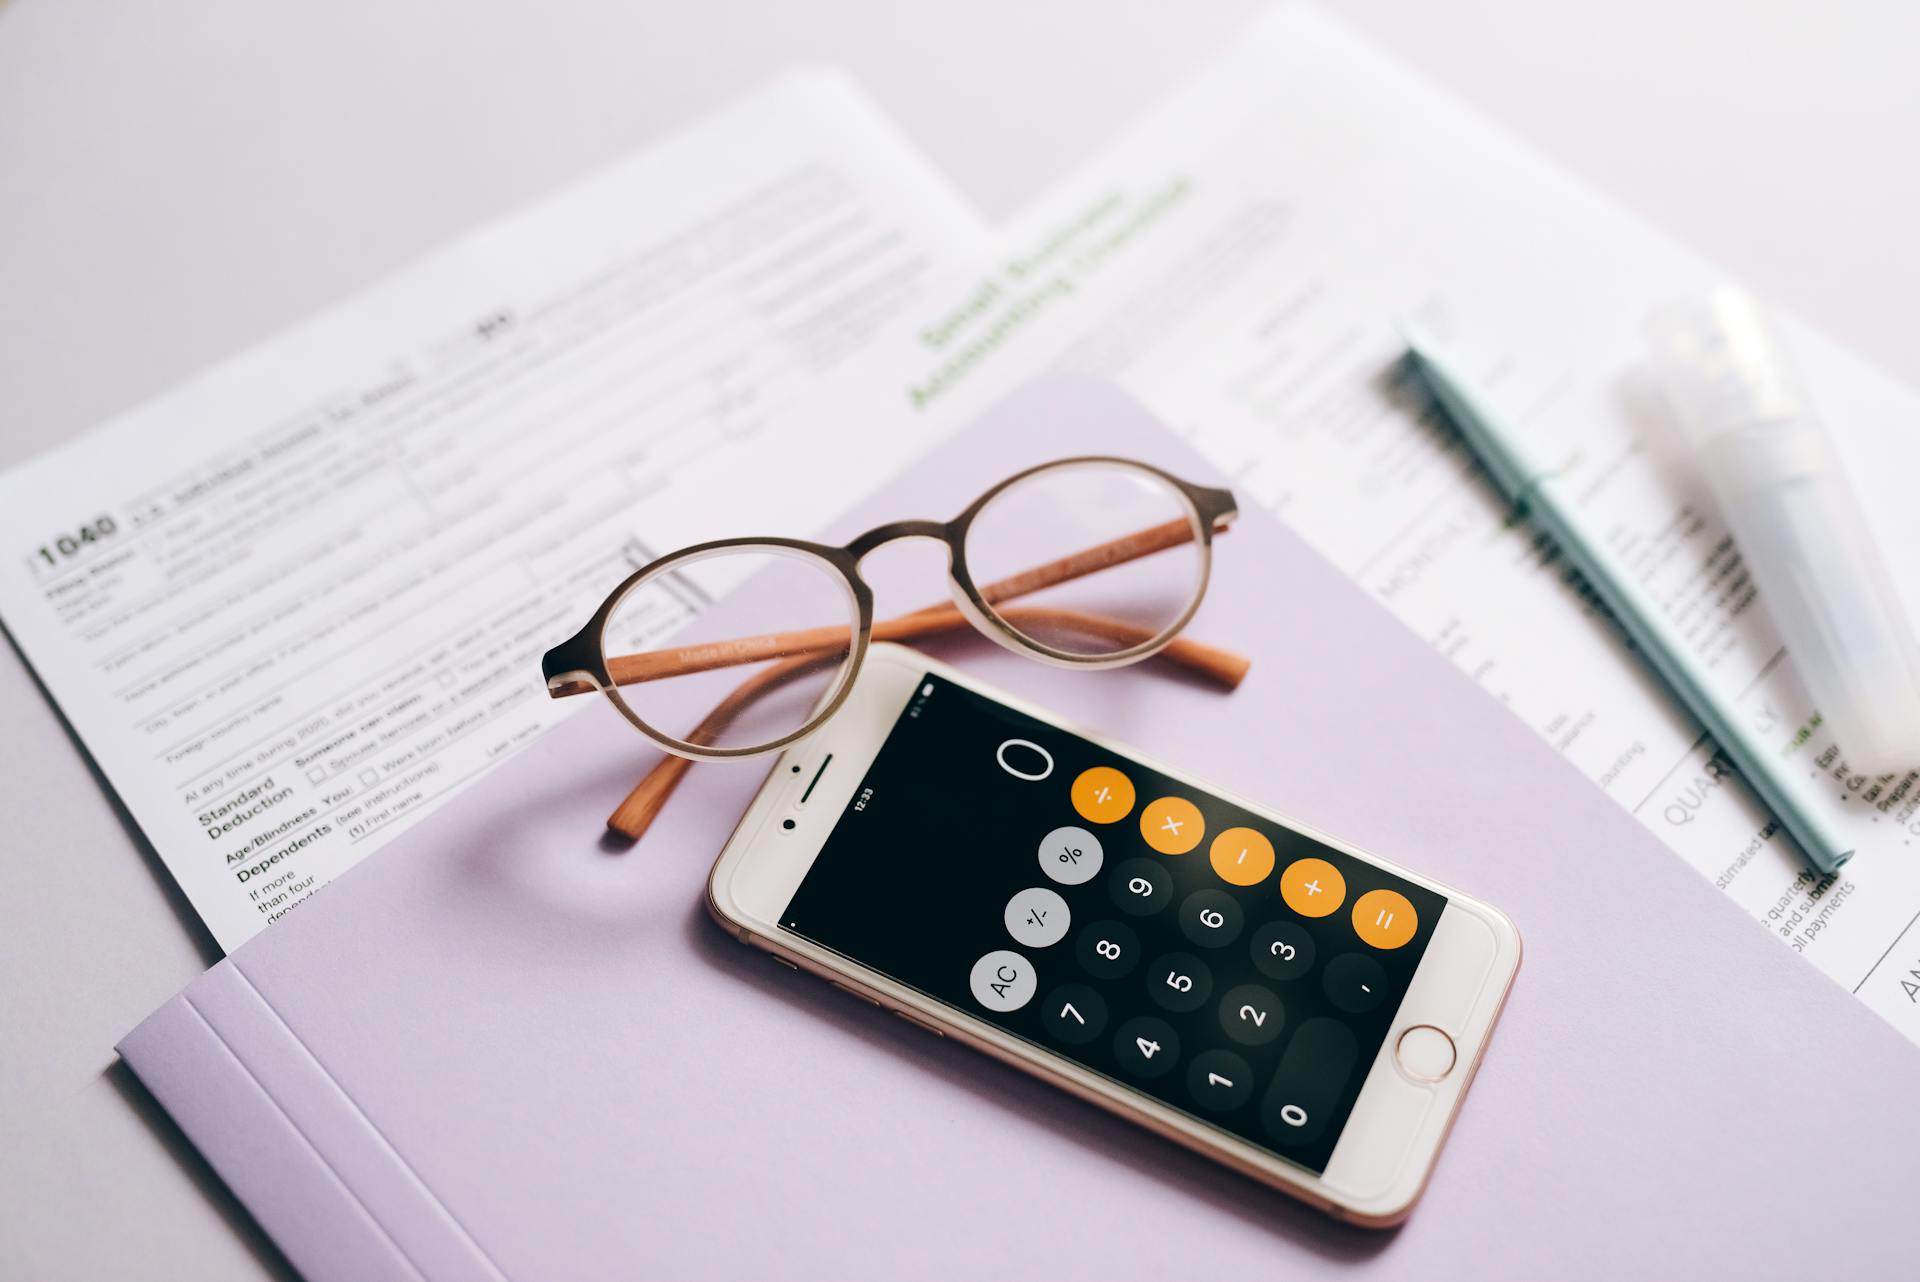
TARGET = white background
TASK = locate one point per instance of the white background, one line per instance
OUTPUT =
(180, 180)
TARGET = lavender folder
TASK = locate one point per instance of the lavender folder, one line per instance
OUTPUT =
(503, 1049)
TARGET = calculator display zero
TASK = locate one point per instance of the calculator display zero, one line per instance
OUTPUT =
(1227, 965)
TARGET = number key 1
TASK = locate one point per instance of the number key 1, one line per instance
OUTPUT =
(1219, 1080)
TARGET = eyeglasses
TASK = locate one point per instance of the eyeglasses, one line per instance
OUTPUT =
(1083, 562)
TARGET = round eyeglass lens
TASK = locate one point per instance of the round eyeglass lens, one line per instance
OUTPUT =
(732, 693)
(1088, 559)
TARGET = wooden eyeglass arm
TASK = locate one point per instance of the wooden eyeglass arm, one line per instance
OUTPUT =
(633, 816)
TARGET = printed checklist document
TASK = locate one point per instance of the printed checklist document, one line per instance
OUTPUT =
(296, 604)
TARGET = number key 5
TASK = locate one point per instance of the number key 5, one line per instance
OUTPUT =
(1179, 982)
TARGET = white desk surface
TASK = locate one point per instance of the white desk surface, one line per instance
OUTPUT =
(181, 179)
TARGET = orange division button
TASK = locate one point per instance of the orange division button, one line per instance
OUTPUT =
(1172, 825)
(1312, 887)
(1102, 795)
(1384, 918)
(1241, 856)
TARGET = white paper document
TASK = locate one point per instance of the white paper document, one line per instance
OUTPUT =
(299, 602)
(1238, 261)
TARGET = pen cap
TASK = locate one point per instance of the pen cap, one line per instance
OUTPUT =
(1783, 493)
(1723, 368)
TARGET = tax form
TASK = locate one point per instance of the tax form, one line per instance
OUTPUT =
(1238, 261)
(299, 602)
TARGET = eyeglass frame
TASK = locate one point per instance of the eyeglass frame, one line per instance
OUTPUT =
(580, 661)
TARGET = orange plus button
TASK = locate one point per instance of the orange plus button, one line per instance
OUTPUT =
(1384, 918)
(1312, 887)
(1172, 825)
(1241, 856)
(1102, 795)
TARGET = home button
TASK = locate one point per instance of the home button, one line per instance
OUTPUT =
(1425, 1053)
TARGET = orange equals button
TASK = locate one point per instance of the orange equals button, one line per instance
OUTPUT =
(1384, 918)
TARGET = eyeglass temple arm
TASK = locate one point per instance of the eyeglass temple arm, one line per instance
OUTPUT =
(628, 669)
(635, 814)
(1223, 667)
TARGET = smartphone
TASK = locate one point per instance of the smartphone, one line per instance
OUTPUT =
(1301, 1010)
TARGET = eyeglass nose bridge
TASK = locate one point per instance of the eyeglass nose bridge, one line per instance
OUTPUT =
(893, 532)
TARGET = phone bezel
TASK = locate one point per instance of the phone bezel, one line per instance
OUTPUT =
(1397, 1126)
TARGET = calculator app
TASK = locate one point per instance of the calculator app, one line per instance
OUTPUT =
(1220, 962)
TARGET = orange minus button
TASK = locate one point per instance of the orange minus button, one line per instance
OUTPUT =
(1241, 856)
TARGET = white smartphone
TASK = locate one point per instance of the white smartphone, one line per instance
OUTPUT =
(1301, 1010)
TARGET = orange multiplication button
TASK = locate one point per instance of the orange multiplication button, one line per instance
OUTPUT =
(1102, 795)
(1172, 825)
(1312, 887)
(1384, 918)
(1241, 856)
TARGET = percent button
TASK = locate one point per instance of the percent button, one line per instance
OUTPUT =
(1070, 856)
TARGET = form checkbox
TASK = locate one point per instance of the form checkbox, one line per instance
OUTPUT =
(316, 774)
(369, 777)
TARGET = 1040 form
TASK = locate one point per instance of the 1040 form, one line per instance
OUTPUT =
(298, 602)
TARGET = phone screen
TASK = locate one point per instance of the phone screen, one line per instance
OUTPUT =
(1225, 964)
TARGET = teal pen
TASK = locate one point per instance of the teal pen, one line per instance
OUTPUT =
(1532, 491)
